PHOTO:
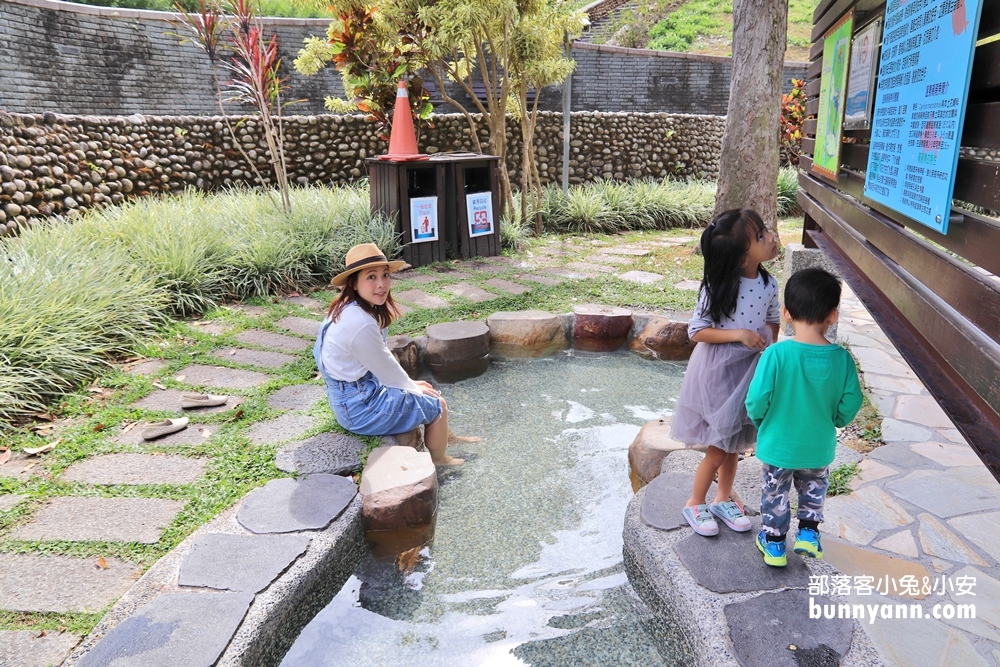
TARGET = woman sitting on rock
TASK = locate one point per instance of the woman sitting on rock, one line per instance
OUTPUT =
(369, 391)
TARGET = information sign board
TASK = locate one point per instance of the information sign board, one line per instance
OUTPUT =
(861, 79)
(923, 86)
(424, 219)
(836, 50)
(479, 206)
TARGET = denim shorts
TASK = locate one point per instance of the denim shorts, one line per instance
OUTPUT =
(367, 407)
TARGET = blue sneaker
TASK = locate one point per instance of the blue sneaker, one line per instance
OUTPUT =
(807, 543)
(774, 552)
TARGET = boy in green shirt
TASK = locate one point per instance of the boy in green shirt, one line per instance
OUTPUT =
(802, 391)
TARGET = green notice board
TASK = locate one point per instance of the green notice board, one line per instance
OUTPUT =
(836, 54)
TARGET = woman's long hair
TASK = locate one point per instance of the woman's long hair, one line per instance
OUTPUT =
(724, 245)
(383, 314)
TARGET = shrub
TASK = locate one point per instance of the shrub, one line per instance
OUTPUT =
(788, 191)
(793, 115)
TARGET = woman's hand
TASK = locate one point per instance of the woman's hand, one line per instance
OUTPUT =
(427, 388)
(752, 339)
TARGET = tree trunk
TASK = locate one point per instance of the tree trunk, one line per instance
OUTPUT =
(748, 166)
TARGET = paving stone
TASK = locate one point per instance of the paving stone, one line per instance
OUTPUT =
(688, 285)
(286, 427)
(880, 361)
(303, 326)
(858, 517)
(983, 530)
(506, 286)
(24, 648)
(641, 277)
(192, 436)
(626, 250)
(136, 469)
(923, 410)
(859, 340)
(61, 583)
(590, 268)
(571, 275)
(273, 340)
(417, 278)
(306, 302)
(901, 543)
(890, 383)
(250, 311)
(420, 298)
(870, 470)
(190, 629)
(239, 563)
(217, 377)
(763, 627)
(953, 435)
(542, 280)
(900, 455)
(730, 562)
(663, 504)
(147, 367)
(20, 466)
(959, 490)
(986, 599)
(79, 519)
(453, 274)
(937, 540)
(896, 431)
(213, 328)
(262, 358)
(471, 292)
(855, 562)
(290, 505)
(884, 401)
(9, 500)
(610, 259)
(333, 453)
(169, 400)
(296, 397)
(948, 455)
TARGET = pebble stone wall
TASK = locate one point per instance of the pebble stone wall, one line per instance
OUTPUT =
(60, 165)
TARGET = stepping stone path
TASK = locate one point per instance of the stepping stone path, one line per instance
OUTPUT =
(82, 519)
(417, 278)
(135, 469)
(689, 285)
(25, 648)
(9, 500)
(641, 277)
(296, 397)
(148, 367)
(286, 427)
(192, 436)
(290, 505)
(273, 340)
(306, 302)
(420, 298)
(470, 292)
(303, 326)
(169, 400)
(62, 584)
(239, 563)
(255, 357)
(543, 280)
(19, 466)
(506, 286)
(333, 453)
(217, 377)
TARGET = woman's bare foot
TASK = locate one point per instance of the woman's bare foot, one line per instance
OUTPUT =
(454, 439)
(448, 461)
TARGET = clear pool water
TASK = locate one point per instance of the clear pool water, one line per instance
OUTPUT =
(525, 567)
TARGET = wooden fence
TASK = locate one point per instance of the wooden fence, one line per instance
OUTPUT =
(935, 295)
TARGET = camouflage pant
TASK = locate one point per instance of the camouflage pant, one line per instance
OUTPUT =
(775, 511)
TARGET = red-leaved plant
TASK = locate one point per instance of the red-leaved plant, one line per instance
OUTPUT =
(793, 115)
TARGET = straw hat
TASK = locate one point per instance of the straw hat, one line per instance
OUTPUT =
(364, 256)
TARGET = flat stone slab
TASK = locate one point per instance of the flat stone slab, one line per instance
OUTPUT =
(20, 465)
(303, 326)
(24, 648)
(417, 278)
(62, 583)
(663, 504)
(286, 427)
(731, 563)
(192, 436)
(937, 540)
(420, 299)
(588, 267)
(169, 400)
(541, 280)
(239, 563)
(79, 519)
(218, 377)
(333, 453)
(610, 259)
(955, 491)
(923, 410)
(453, 274)
(296, 397)
(688, 285)
(485, 267)
(641, 277)
(506, 286)
(470, 292)
(274, 340)
(213, 328)
(901, 543)
(147, 367)
(190, 629)
(136, 469)
(290, 505)
(9, 500)
(894, 430)
(250, 311)
(983, 530)
(306, 302)
(764, 627)
(948, 455)
(858, 517)
(625, 250)
(262, 358)
(880, 361)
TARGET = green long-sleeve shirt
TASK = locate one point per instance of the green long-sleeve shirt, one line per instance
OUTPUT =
(800, 394)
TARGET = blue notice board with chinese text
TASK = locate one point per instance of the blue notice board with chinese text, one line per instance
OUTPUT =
(923, 87)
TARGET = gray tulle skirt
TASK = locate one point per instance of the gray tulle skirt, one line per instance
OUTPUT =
(710, 409)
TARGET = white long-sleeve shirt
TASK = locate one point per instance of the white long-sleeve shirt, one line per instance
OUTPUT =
(355, 344)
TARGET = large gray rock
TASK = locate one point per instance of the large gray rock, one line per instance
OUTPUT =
(399, 486)
(525, 333)
(290, 505)
(333, 453)
(80, 519)
(651, 445)
(62, 583)
(239, 563)
(664, 339)
(190, 629)
(664, 500)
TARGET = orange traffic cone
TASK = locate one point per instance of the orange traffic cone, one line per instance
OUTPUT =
(402, 138)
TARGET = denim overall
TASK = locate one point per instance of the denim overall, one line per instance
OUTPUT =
(367, 407)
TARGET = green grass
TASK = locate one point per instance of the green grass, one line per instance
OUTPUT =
(840, 477)
(693, 20)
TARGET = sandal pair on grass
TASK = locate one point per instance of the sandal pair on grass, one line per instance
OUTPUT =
(155, 430)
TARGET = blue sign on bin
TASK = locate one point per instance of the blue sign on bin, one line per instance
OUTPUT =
(923, 87)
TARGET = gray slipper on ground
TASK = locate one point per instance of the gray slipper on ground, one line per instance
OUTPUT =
(155, 430)
(189, 401)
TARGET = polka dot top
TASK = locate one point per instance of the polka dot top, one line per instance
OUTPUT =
(756, 306)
